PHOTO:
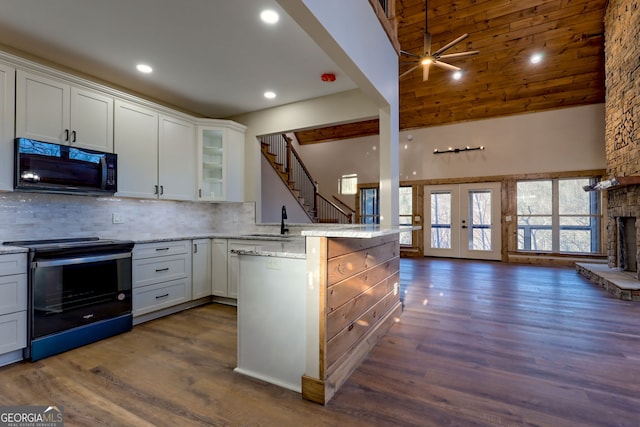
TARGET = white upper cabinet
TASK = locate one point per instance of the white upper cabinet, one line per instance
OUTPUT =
(7, 105)
(156, 154)
(176, 159)
(221, 161)
(51, 110)
(136, 143)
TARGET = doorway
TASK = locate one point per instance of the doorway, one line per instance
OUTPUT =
(463, 221)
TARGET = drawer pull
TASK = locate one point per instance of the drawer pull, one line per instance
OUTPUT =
(162, 296)
(158, 270)
(162, 249)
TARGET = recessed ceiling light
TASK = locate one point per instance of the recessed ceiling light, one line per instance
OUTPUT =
(144, 68)
(536, 58)
(269, 95)
(269, 16)
(457, 75)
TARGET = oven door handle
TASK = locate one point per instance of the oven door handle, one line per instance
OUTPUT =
(80, 260)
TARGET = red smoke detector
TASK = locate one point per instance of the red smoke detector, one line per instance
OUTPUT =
(328, 77)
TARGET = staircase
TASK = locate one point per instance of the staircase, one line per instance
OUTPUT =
(284, 159)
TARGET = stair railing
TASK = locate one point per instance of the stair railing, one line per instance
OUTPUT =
(300, 181)
(329, 212)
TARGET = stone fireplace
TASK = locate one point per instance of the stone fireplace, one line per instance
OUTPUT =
(622, 144)
(627, 244)
(622, 69)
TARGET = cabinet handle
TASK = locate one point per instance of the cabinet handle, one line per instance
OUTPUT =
(161, 190)
(162, 296)
(73, 136)
(200, 192)
(195, 248)
(66, 134)
(162, 249)
(155, 190)
(158, 270)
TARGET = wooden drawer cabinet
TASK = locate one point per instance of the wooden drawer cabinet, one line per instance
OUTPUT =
(156, 249)
(13, 264)
(160, 269)
(13, 293)
(147, 299)
(161, 275)
(13, 307)
(13, 332)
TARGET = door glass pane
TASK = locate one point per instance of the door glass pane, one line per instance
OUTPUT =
(406, 214)
(480, 220)
(441, 220)
(369, 206)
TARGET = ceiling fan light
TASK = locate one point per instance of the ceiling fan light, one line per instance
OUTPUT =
(427, 61)
(457, 75)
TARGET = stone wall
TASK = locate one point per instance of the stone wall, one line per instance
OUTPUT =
(622, 65)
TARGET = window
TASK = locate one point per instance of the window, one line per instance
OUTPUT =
(406, 214)
(348, 184)
(369, 206)
(557, 215)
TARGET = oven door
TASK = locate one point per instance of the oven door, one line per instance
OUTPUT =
(71, 292)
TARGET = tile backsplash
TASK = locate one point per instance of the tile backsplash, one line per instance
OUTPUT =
(26, 216)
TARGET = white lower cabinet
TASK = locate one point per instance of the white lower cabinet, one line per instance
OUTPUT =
(13, 307)
(161, 275)
(219, 267)
(201, 269)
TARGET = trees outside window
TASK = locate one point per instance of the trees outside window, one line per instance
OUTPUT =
(557, 215)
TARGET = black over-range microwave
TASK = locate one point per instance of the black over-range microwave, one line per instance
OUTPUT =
(46, 167)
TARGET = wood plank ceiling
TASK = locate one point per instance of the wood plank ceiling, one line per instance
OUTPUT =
(501, 80)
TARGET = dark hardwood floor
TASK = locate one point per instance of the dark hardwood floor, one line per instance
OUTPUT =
(478, 344)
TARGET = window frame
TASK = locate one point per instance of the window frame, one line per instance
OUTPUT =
(596, 226)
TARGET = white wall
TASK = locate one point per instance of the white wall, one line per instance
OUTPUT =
(350, 33)
(275, 194)
(567, 139)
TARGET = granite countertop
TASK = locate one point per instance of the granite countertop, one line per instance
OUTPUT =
(285, 249)
(364, 231)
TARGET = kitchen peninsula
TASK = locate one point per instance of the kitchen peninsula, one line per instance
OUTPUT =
(310, 310)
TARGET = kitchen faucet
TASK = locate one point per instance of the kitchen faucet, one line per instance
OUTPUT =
(282, 218)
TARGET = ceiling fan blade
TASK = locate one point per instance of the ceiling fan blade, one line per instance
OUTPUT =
(425, 71)
(408, 71)
(450, 45)
(413, 55)
(427, 44)
(446, 66)
(459, 55)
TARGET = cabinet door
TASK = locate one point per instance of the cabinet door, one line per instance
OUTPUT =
(234, 148)
(201, 273)
(7, 118)
(219, 267)
(212, 164)
(91, 120)
(42, 108)
(136, 143)
(176, 159)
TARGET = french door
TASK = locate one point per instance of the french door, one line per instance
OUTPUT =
(462, 221)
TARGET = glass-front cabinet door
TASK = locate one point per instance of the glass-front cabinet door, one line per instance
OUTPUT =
(220, 161)
(211, 164)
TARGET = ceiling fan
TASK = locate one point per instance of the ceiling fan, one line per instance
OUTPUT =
(428, 58)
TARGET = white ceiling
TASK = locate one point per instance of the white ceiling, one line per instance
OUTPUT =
(210, 57)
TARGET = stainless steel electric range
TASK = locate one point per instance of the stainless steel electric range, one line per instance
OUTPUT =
(79, 292)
